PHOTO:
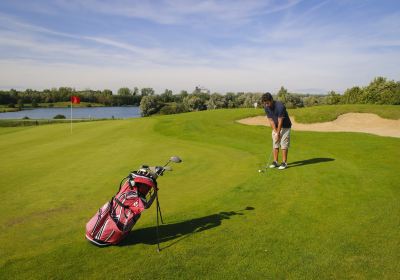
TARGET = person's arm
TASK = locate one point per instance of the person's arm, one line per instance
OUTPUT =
(278, 130)
(281, 116)
(274, 129)
(272, 124)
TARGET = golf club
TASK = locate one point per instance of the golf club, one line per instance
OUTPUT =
(267, 165)
(161, 170)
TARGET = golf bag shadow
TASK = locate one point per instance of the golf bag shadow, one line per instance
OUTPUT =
(115, 219)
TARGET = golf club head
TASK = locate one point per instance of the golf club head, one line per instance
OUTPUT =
(168, 168)
(175, 159)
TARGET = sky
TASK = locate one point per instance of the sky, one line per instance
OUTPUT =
(224, 45)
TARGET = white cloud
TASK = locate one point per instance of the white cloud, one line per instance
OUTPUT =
(40, 42)
(299, 51)
(183, 11)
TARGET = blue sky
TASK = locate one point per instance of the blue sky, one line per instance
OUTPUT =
(306, 46)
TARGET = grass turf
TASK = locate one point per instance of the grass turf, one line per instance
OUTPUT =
(36, 122)
(333, 214)
(331, 112)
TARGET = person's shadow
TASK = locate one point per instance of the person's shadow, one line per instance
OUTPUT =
(178, 231)
(309, 161)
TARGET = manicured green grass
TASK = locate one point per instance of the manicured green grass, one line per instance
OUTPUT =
(335, 213)
(331, 112)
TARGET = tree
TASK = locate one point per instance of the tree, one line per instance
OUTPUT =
(292, 100)
(310, 101)
(295, 101)
(147, 91)
(240, 99)
(167, 96)
(216, 101)
(149, 105)
(20, 104)
(192, 103)
(231, 100)
(107, 92)
(386, 90)
(203, 96)
(179, 97)
(135, 91)
(172, 108)
(391, 95)
(353, 95)
(333, 98)
(34, 103)
(282, 95)
(373, 90)
(250, 99)
(64, 94)
(124, 91)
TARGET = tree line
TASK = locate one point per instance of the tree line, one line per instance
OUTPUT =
(124, 96)
(379, 91)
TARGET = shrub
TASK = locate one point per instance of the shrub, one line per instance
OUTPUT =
(172, 108)
(59, 117)
(149, 105)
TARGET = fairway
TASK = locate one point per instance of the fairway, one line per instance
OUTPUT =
(333, 214)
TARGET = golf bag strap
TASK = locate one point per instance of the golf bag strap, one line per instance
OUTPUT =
(120, 203)
(120, 184)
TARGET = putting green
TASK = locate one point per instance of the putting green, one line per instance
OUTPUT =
(333, 214)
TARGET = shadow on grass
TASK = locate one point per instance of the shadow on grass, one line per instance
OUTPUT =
(309, 161)
(178, 231)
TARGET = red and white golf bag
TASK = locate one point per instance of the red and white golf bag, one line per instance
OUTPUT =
(115, 219)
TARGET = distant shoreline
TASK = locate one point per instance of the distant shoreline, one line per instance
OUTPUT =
(91, 105)
(103, 112)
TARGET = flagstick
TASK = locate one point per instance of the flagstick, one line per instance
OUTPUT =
(71, 115)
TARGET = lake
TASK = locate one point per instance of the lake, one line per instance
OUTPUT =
(77, 113)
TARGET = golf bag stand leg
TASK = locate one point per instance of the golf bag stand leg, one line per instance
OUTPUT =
(158, 237)
(159, 209)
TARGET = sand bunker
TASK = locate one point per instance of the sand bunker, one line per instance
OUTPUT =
(350, 122)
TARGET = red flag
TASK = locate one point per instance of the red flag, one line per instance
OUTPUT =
(75, 99)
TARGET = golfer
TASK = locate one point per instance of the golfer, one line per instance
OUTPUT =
(280, 122)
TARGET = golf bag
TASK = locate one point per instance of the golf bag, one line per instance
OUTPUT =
(115, 219)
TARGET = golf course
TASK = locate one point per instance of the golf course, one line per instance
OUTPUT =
(333, 214)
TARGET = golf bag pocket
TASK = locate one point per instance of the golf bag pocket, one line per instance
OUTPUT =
(125, 213)
(109, 233)
(97, 221)
(101, 228)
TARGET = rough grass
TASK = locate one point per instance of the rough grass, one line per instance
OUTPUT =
(36, 122)
(331, 112)
(6, 109)
(333, 214)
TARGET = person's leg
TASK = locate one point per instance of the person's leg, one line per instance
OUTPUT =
(276, 154)
(275, 146)
(285, 143)
(284, 155)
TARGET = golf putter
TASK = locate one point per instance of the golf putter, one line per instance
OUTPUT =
(267, 165)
